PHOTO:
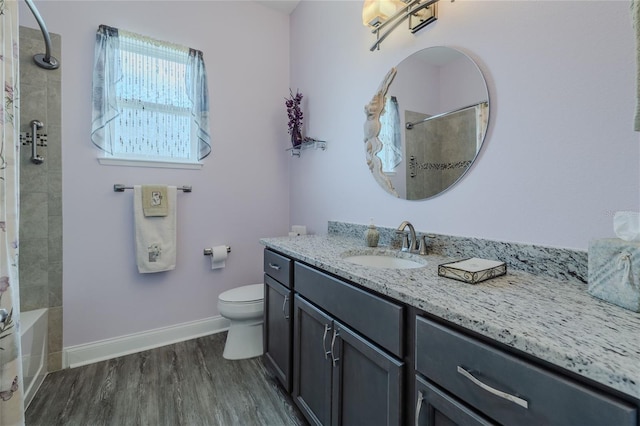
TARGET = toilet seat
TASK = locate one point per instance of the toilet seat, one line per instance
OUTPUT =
(244, 295)
(244, 303)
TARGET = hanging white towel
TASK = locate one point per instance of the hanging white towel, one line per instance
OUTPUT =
(155, 235)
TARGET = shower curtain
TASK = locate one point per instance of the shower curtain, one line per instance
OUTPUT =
(11, 394)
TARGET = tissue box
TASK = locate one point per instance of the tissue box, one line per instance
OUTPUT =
(472, 270)
(614, 272)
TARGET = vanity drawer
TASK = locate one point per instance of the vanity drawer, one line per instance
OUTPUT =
(278, 267)
(508, 389)
(374, 317)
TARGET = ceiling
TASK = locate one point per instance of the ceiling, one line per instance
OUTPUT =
(284, 6)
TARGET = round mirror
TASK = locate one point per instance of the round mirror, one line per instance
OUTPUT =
(426, 123)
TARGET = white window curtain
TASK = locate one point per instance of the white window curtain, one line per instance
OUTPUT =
(482, 120)
(11, 380)
(150, 99)
(390, 135)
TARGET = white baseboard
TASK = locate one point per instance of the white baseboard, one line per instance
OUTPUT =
(75, 356)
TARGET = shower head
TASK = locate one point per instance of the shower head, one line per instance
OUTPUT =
(43, 60)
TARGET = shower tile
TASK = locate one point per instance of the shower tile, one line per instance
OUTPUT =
(41, 189)
(55, 238)
(56, 43)
(55, 329)
(32, 106)
(29, 71)
(34, 262)
(56, 48)
(28, 39)
(35, 297)
(33, 178)
(30, 35)
(54, 362)
(55, 252)
(55, 193)
(54, 103)
(33, 215)
(54, 152)
(55, 284)
(54, 76)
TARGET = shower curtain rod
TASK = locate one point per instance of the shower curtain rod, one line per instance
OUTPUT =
(409, 126)
(43, 60)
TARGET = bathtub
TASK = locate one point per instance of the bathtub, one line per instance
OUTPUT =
(33, 328)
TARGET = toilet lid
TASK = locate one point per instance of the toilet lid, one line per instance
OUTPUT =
(247, 293)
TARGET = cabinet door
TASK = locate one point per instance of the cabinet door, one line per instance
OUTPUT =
(367, 382)
(312, 362)
(278, 330)
(435, 408)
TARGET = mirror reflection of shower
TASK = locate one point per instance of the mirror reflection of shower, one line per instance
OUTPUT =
(43, 60)
(35, 158)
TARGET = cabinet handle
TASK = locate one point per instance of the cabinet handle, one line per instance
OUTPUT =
(284, 312)
(274, 266)
(336, 333)
(419, 407)
(327, 327)
(521, 402)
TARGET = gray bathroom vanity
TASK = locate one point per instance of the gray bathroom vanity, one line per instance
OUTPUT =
(362, 345)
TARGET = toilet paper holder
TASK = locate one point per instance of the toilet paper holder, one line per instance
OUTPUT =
(209, 251)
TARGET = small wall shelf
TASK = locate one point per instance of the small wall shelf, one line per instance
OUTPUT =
(308, 143)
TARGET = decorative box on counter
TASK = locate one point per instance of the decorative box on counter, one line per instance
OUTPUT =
(614, 272)
(472, 270)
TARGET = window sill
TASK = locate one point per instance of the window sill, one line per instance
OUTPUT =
(140, 163)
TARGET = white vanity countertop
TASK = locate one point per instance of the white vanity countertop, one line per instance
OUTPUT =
(556, 321)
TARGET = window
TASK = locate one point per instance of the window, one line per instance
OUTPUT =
(391, 153)
(150, 100)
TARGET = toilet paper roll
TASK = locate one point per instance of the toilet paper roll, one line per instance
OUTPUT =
(218, 257)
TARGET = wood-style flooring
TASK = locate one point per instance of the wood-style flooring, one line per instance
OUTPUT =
(187, 383)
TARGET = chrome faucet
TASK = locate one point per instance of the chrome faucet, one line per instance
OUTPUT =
(409, 242)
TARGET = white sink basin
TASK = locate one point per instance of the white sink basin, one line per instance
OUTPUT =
(385, 259)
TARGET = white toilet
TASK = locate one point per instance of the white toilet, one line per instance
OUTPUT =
(243, 307)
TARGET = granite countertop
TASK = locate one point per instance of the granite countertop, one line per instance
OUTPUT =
(553, 320)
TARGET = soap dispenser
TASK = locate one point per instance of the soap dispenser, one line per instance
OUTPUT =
(371, 235)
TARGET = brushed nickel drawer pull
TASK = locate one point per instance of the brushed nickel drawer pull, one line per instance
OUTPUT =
(419, 407)
(521, 402)
(334, 360)
(284, 304)
(327, 327)
(274, 266)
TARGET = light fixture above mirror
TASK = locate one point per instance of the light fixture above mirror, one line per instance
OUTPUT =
(384, 16)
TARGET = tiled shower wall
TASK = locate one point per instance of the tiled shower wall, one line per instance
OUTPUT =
(41, 190)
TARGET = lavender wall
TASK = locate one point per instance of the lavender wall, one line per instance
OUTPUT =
(560, 155)
(240, 195)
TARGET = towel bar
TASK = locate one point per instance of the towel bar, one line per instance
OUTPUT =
(209, 251)
(118, 187)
